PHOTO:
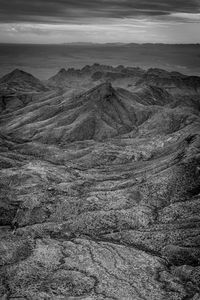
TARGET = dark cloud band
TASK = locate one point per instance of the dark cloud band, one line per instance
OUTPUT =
(65, 11)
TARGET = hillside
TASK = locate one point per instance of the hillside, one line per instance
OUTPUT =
(172, 81)
(18, 88)
(20, 80)
(100, 187)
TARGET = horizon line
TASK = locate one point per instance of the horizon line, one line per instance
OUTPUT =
(92, 43)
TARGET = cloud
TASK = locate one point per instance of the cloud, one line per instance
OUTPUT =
(186, 17)
(78, 11)
(57, 21)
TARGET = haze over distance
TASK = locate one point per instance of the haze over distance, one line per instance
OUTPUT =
(92, 22)
(43, 61)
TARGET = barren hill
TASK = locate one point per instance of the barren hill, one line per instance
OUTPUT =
(18, 88)
(100, 188)
(20, 80)
(172, 81)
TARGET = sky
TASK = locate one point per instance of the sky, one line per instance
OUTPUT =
(99, 21)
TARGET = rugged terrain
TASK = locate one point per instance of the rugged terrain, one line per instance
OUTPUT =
(100, 185)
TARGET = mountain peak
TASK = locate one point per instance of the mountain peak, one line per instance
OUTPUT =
(62, 71)
(105, 88)
(100, 92)
(18, 71)
(59, 78)
(19, 79)
(16, 74)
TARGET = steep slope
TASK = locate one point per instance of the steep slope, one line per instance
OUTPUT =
(150, 95)
(174, 82)
(59, 79)
(17, 89)
(19, 80)
(100, 113)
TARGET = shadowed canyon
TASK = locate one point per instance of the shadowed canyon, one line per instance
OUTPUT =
(100, 185)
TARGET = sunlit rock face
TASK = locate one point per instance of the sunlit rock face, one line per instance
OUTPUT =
(100, 185)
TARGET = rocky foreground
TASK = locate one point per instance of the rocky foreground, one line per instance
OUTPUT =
(100, 185)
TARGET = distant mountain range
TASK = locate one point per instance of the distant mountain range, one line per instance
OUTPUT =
(19, 85)
(173, 81)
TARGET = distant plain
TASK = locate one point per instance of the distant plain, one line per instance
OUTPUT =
(45, 60)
